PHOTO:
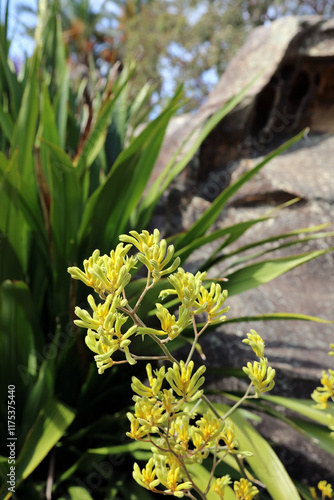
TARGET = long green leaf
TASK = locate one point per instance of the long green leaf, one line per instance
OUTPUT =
(304, 491)
(96, 137)
(25, 128)
(117, 197)
(264, 462)
(7, 124)
(318, 434)
(49, 427)
(20, 338)
(20, 213)
(304, 407)
(65, 192)
(233, 232)
(256, 274)
(200, 227)
(260, 253)
(216, 259)
(173, 168)
(9, 79)
(281, 316)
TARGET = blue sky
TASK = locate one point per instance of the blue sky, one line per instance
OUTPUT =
(20, 44)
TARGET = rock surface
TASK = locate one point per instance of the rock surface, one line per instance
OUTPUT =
(293, 60)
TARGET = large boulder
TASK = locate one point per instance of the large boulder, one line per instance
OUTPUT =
(293, 63)
(293, 60)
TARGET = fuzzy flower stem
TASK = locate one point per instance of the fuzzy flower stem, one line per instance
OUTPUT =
(238, 403)
(184, 467)
(197, 334)
(139, 322)
(214, 465)
(247, 474)
(147, 287)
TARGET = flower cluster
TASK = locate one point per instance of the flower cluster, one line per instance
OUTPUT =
(106, 274)
(178, 438)
(260, 374)
(104, 335)
(196, 298)
(168, 409)
(325, 488)
(243, 489)
(153, 252)
(323, 393)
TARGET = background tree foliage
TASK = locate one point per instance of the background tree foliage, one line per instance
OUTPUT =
(191, 42)
(174, 41)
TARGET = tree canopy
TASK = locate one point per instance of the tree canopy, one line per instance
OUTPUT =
(173, 41)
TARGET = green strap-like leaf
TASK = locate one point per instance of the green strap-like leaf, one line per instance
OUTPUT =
(173, 168)
(256, 274)
(115, 200)
(281, 316)
(203, 223)
(304, 407)
(264, 462)
(49, 427)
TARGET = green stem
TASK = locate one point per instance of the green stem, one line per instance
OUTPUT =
(184, 467)
(197, 335)
(147, 287)
(137, 321)
(238, 403)
(148, 358)
(214, 465)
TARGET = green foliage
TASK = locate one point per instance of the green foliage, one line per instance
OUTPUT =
(73, 170)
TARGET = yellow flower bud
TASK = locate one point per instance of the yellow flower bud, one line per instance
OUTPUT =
(261, 375)
(211, 302)
(184, 383)
(256, 343)
(326, 489)
(220, 485)
(244, 489)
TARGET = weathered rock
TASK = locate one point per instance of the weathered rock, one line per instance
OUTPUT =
(294, 58)
(293, 61)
